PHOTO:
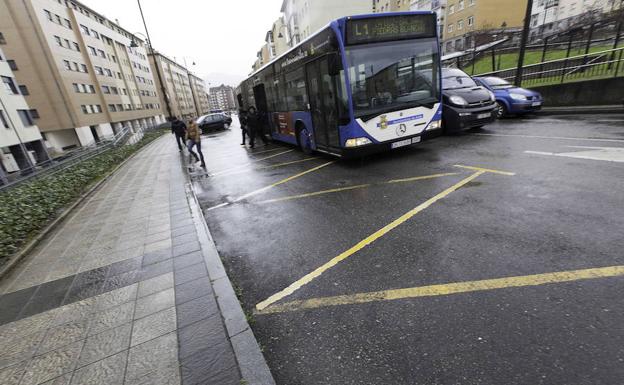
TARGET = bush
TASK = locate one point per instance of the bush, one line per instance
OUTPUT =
(27, 208)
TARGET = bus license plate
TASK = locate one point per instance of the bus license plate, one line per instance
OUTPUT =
(406, 142)
(484, 116)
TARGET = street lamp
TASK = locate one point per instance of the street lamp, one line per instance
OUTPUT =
(188, 74)
(133, 44)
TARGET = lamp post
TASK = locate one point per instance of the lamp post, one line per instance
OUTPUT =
(188, 74)
(160, 79)
(523, 42)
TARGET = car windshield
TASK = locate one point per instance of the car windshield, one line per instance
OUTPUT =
(497, 83)
(456, 79)
(393, 76)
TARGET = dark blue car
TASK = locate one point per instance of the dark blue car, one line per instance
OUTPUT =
(511, 100)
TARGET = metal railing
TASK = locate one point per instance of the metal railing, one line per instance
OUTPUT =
(126, 136)
(603, 64)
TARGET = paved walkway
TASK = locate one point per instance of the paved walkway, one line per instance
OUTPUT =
(119, 294)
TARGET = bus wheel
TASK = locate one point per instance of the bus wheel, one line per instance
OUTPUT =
(303, 139)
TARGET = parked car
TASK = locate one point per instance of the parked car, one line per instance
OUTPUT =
(509, 98)
(214, 122)
(465, 103)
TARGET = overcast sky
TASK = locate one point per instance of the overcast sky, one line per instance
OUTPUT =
(222, 37)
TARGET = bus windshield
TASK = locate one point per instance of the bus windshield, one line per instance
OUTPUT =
(393, 76)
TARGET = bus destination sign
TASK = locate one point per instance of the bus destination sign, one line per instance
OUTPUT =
(378, 29)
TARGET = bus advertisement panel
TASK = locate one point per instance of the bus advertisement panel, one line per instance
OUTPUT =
(363, 84)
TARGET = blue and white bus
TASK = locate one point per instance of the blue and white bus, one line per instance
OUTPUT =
(363, 84)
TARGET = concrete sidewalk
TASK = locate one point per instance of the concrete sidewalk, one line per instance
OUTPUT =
(120, 293)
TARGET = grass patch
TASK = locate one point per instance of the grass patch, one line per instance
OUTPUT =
(510, 60)
(29, 207)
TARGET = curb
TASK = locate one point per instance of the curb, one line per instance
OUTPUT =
(582, 110)
(17, 258)
(253, 367)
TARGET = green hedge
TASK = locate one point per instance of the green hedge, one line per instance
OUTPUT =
(27, 208)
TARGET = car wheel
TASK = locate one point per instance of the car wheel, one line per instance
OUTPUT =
(501, 110)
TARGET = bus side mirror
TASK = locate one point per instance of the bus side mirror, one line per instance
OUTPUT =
(334, 64)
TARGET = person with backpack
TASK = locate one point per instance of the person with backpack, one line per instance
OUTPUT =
(193, 139)
(179, 129)
(255, 127)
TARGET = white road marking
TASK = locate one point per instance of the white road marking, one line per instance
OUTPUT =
(607, 154)
(555, 137)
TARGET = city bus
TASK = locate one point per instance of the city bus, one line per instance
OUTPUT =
(363, 84)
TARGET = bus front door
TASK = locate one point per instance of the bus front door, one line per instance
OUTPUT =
(322, 97)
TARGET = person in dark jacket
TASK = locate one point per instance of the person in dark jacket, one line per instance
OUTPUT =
(179, 129)
(242, 118)
(255, 127)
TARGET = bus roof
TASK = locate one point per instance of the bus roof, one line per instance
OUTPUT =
(341, 20)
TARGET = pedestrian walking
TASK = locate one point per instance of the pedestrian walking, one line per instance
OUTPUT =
(193, 139)
(179, 129)
(242, 118)
(255, 127)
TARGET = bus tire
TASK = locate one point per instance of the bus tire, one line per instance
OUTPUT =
(303, 139)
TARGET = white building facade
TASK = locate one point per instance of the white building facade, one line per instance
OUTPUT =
(437, 6)
(550, 16)
(303, 18)
(21, 143)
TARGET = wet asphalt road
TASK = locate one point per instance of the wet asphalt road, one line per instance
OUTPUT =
(560, 212)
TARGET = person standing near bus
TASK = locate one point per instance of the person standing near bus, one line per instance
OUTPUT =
(242, 118)
(179, 129)
(255, 127)
(193, 138)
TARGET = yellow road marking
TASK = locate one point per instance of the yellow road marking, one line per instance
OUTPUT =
(268, 167)
(249, 163)
(285, 180)
(355, 187)
(362, 244)
(486, 170)
(449, 288)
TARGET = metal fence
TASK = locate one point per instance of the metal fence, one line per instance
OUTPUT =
(603, 64)
(126, 136)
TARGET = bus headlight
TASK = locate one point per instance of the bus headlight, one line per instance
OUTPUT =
(357, 142)
(436, 124)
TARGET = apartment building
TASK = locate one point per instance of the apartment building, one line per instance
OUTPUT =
(81, 72)
(391, 6)
(21, 143)
(551, 16)
(304, 17)
(277, 38)
(200, 96)
(437, 6)
(222, 98)
(178, 85)
(465, 18)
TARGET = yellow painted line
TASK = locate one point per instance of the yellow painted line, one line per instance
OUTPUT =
(363, 243)
(285, 180)
(267, 167)
(312, 194)
(355, 187)
(449, 288)
(417, 178)
(250, 163)
(486, 170)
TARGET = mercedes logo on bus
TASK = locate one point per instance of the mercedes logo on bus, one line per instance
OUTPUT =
(401, 130)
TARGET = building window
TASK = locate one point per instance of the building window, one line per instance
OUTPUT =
(460, 5)
(451, 9)
(76, 87)
(99, 70)
(84, 109)
(450, 28)
(95, 34)
(470, 21)
(2, 39)
(67, 65)
(48, 14)
(460, 24)
(83, 67)
(97, 108)
(93, 51)
(26, 118)
(76, 46)
(106, 89)
(112, 108)
(58, 41)
(9, 85)
(12, 65)
(91, 88)
(34, 114)
(102, 53)
(3, 119)
(471, 3)
(85, 30)
(24, 90)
